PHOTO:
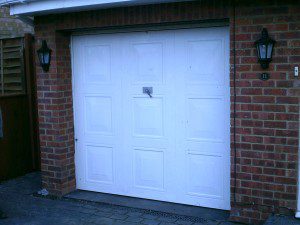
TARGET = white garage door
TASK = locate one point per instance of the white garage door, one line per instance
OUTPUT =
(171, 144)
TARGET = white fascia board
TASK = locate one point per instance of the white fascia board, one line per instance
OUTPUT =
(43, 7)
(12, 2)
(9, 2)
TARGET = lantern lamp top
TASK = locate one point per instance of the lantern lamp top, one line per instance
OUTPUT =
(44, 48)
(265, 39)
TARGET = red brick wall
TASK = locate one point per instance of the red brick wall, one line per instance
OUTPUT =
(56, 114)
(267, 111)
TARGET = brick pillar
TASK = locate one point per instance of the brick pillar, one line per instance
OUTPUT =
(56, 113)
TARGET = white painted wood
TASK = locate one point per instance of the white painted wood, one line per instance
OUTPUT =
(171, 147)
(97, 101)
(39, 7)
(12, 2)
(203, 112)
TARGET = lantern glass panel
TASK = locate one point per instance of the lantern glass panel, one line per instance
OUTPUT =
(270, 49)
(46, 58)
(262, 51)
(41, 57)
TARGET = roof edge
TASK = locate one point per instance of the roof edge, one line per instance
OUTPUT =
(44, 7)
(14, 2)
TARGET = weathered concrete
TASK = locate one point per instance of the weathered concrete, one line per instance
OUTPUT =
(140, 203)
(22, 206)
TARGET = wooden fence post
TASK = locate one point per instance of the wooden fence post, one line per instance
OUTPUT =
(29, 59)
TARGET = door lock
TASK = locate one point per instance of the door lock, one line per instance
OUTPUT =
(148, 91)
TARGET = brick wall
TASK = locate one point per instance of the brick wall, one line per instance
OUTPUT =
(55, 88)
(54, 91)
(10, 26)
(267, 111)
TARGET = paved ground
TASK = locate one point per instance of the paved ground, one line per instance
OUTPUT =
(282, 220)
(23, 207)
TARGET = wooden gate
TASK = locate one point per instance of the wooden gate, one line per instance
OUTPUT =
(19, 145)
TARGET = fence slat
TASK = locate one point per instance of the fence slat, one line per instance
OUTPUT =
(12, 66)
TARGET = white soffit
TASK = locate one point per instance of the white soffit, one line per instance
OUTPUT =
(40, 7)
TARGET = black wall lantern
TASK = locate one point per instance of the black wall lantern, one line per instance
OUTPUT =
(264, 48)
(44, 54)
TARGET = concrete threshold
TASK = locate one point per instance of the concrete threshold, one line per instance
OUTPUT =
(166, 207)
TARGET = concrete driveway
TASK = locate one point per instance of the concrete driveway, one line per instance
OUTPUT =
(22, 206)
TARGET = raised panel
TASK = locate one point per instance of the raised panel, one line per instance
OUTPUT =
(204, 175)
(148, 60)
(149, 168)
(205, 62)
(205, 118)
(97, 64)
(98, 111)
(99, 164)
(148, 117)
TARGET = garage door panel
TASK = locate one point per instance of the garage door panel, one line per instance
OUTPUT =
(199, 183)
(98, 114)
(152, 109)
(148, 117)
(149, 62)
(99, 164)
(96, 106)
(148, 51)
(147, 176)
(97, 63)
(99, 57)
(206, 147)
(203, 116)
(204, 52)
(195, 91)
(156, 143)
(96, 89)
(204, 132)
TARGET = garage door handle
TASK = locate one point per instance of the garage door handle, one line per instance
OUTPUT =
(148, 91)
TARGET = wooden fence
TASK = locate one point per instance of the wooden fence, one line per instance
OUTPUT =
(19, 145)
